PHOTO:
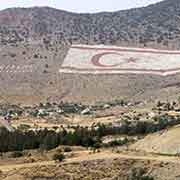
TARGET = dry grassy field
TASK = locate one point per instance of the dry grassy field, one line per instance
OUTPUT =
(102, 165)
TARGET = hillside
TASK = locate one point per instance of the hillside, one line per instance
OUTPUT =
(165, 142)
(156, 24)
(36, 40)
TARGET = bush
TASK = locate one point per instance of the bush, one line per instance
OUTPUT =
(16, 154)
(59, 157)
(24, 127)
(67, 149)
(35, 56)
(12, 55)
(118, 142)
(139, 174)
(24, 52)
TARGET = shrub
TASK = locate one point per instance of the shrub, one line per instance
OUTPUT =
(139, 174)
(24, 52)
(36, 56)
(118, 142)
(16, 154)
(58, 157)
(12, 55)
(44, 71)
(67, 149)
(24, 127)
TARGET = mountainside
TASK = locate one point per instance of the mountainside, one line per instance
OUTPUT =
(157, 24)
(34, 42)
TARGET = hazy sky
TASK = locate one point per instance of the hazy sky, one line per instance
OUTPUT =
(79, 5)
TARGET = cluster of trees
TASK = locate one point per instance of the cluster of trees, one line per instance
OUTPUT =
(45, 139)
(137, 127)
(48, 139)
(167, 106)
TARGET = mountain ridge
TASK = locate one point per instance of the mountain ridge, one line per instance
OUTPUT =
(157, 24)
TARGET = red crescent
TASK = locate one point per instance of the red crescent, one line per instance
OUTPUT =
(96, 59)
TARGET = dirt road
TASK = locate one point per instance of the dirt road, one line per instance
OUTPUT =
(85, 156)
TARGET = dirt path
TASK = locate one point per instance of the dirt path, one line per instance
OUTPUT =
(85, 156)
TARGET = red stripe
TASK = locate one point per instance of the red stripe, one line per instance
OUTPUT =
(118, 69)
(128, 50)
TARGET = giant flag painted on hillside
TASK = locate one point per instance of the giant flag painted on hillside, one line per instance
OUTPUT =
(102, 59)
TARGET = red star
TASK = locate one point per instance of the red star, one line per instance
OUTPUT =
(131, 59)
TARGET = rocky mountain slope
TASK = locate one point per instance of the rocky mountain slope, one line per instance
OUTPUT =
(156, 24)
